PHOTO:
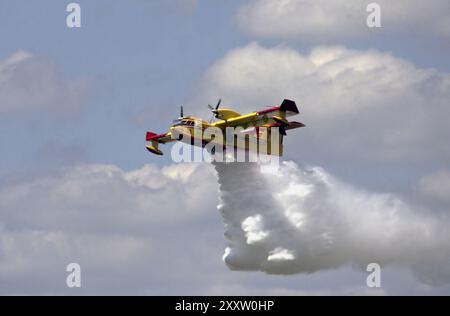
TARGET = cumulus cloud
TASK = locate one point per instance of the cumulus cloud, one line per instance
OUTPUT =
(322, 20)
(109, 195)
(123, 228)
(363, 104)
(153, 230)
(436, 186)
(32, 84)
(301, 220)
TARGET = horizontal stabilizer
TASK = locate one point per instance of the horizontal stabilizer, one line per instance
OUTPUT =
(281, 121)
(293, 125)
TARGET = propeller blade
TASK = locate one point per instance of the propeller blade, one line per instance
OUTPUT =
(214, 110)
(218, 104)
(181, 111)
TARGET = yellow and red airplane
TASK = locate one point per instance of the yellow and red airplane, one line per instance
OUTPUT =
(258, 125)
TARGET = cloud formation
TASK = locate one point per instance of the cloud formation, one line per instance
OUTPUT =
(323, 20)
(33, 84)
(123, 228)
(436, 186)
(301, 220)
(151, 230)
(362, 104)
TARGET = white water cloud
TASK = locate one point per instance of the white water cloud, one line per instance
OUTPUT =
(324, 225)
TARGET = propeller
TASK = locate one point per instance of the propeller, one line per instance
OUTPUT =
(214, 110)
(181, 115)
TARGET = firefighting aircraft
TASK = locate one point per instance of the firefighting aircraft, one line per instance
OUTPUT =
(257, 125)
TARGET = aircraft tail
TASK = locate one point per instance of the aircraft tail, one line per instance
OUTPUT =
(150, 136)
(293, 125)
(289, 106)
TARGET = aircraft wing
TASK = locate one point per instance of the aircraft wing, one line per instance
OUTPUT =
(238, 120)
(263, 118)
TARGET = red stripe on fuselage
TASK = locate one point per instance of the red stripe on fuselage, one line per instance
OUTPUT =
(275, 108)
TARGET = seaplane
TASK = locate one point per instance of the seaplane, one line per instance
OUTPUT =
(257, 128)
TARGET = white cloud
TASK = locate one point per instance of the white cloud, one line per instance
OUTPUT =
(154, 231)
(135, 226)
(359, 104)
(98, 196)
(280, 254)
(32, 84)
(321, 20)
(436, 186)
(253, 228)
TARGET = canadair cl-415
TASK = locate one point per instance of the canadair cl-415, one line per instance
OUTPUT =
(258, 129)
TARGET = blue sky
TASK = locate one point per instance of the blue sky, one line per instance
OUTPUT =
(142, 58)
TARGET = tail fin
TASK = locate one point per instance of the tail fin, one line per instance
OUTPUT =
(289, 106)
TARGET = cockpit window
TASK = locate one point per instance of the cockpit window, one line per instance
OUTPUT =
(184, 123)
